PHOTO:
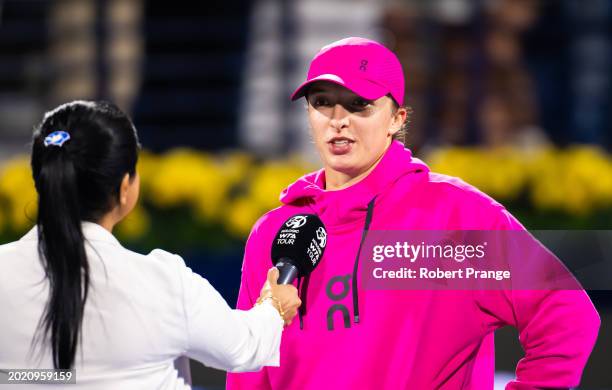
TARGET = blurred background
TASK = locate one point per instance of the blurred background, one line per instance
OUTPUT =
(513, 96)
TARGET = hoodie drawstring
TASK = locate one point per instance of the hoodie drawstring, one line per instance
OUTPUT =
(303, 288)
(356, 266)
(303, 291)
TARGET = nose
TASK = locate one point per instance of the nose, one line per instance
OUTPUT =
(339, 118)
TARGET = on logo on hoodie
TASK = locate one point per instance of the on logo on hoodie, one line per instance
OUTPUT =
(344, 280)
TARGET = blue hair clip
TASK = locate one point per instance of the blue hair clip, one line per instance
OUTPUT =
(57, 138)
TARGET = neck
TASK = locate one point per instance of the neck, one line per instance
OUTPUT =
(108, 221)
(335, 180)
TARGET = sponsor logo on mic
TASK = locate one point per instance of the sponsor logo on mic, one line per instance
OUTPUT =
(296, 222)
(287, 237)
(314, 251)
(322, 236)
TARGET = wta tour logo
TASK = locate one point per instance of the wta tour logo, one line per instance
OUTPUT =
(296, 222)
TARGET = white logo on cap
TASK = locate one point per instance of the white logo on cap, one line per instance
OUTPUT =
(296, 222)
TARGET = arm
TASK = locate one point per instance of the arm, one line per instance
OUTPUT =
(232, 340)
(557, 329)
(246, 298)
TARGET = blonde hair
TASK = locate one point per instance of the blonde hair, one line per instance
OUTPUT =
(402, 134)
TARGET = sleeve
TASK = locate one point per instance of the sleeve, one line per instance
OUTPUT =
(231, 340)
(557, 328)
(251, 280)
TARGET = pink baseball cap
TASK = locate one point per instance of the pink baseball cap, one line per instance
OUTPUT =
(362, 65)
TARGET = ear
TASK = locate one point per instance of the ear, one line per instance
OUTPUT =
(399, 117)
(123, 190)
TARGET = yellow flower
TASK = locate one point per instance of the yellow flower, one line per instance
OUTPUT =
(263, 183)
(17, 186)
(545, 178)
(147, 166)
(590, 172)
(500, 173)
(135, 225)
(449, 161)
(187, 177)
(212, 192)
(577, 180)
(271, 178)
(507, 172)
(241, 215)
(235, 167)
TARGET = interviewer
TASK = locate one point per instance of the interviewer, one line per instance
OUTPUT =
(72, 297)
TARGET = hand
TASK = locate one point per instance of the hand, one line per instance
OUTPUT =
(284, 297)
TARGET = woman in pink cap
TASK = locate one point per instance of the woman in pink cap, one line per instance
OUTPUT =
(352, 338)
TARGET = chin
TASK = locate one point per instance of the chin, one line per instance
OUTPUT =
(346, 167)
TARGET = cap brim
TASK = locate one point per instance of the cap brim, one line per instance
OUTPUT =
(362, 87)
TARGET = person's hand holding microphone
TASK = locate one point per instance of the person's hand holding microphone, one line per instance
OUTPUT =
(284, 297)
(296, 251)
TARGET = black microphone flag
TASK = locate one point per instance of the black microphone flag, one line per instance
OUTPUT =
(298, 246)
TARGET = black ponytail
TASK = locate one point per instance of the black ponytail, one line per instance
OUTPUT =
(77, 181)
(60, 242)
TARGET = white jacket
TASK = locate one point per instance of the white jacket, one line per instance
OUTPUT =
(141, 314)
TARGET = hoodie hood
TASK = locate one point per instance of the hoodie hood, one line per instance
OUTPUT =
(348, 205)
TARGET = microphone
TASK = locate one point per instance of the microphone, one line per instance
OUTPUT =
(298, 247)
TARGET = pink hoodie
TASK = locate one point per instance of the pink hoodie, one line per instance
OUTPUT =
(408, 339)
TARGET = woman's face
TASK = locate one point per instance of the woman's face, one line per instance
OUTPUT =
(350, 133)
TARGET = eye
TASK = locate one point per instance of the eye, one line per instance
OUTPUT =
(319, 101)
(360, 104)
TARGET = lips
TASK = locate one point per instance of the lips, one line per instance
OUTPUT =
(340, 141)
(340, 145)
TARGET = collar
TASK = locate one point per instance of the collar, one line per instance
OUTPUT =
(91, 232)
